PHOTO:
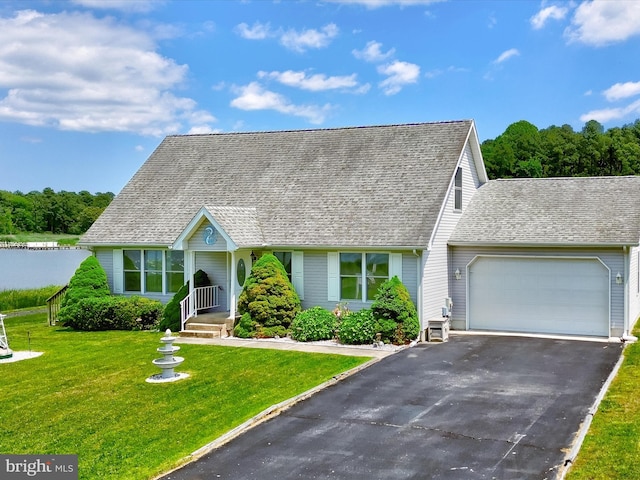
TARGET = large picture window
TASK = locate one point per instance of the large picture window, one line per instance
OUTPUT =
(361, 274)
(153, 271)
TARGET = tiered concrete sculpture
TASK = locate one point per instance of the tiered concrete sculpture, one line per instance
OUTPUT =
(168, 362)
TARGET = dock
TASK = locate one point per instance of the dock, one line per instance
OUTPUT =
(36, 246)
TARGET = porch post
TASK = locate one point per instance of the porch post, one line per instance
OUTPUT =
(234, 281)
(192, 281)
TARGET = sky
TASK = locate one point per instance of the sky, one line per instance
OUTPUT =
(89, 88)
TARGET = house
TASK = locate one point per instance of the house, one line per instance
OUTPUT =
(345, 209)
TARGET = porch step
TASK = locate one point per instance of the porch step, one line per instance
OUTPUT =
(205, 330)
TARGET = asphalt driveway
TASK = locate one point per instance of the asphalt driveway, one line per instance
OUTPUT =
(485, 407)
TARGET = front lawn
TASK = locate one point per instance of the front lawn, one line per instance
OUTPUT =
(87, 395)
(611, 448)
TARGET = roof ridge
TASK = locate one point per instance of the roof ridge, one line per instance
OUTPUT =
(328, 129)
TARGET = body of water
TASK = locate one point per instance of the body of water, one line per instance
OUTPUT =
(22, 269)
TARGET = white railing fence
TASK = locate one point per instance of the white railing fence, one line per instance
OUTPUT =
(200, 299)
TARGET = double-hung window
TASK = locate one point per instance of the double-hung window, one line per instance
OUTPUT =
(152, 271)
(361, 274)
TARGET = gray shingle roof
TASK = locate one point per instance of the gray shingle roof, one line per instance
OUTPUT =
(377, 186)
(553, 211)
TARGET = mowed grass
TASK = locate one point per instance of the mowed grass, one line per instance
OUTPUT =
(611, 449)
(87, 395)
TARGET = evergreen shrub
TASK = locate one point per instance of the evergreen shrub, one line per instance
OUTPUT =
(171, 314)
(246, 327)
(88, 281)
(314, 324)
(268, 296)
(393, 304)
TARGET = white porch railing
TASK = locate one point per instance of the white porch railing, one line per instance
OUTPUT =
(200, 299)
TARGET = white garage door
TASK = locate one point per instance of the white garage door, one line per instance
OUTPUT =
(539, 295)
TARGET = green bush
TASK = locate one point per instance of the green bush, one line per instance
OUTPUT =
(393, 304)
(270, 332)
(357, 328)
(314, 324)
(114, 313)
(88, 281)
(268, 295)
(246, 327)
(171, 313)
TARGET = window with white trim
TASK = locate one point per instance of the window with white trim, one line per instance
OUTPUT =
(458, 190)
(361, 274)
(152, 271)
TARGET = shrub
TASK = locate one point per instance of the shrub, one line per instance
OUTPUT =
(114, 313)
(171, 313)
(314, 324)
(270, 332)
(393, 303)
(88, 281)
(268, 295)
(245, 328)
(357, 328)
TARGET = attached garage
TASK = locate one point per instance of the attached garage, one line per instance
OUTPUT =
(539, 295)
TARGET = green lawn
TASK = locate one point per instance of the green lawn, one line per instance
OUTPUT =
(611, 449)
(87, 395)
(62, 238)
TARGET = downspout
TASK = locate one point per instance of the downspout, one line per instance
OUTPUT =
(626, 335)
(420, 269)
(192, 283)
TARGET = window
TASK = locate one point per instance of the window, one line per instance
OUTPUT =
(285, 260)
(361, 274)
(174, 270)
(153, 271)
(458, 189)
(132, 269)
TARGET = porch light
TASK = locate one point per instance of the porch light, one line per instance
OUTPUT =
(253, 257)
(618, 278)
(457, 274)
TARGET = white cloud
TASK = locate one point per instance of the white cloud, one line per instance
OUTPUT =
(72, 71)
(372, 52)
(607, 114)
(387, 3)
(506, 55)
(315, 83)
(603, 22)
(259, 31)
(399, 75)
(552, 12)
(451, 69)
(255, 97)
(622, 90)
(141, 6)
(200, 129)
(301, 41)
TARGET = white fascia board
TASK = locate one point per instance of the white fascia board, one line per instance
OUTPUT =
(474, 143)
(540, 245)
(203, 214)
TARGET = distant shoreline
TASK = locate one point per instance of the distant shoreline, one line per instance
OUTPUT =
(37, 246)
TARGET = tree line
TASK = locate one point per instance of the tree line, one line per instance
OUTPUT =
(524, 151)
(50, 211)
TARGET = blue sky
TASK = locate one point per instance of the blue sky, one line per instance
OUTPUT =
(88, 88)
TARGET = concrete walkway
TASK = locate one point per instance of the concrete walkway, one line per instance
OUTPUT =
(287, 344)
